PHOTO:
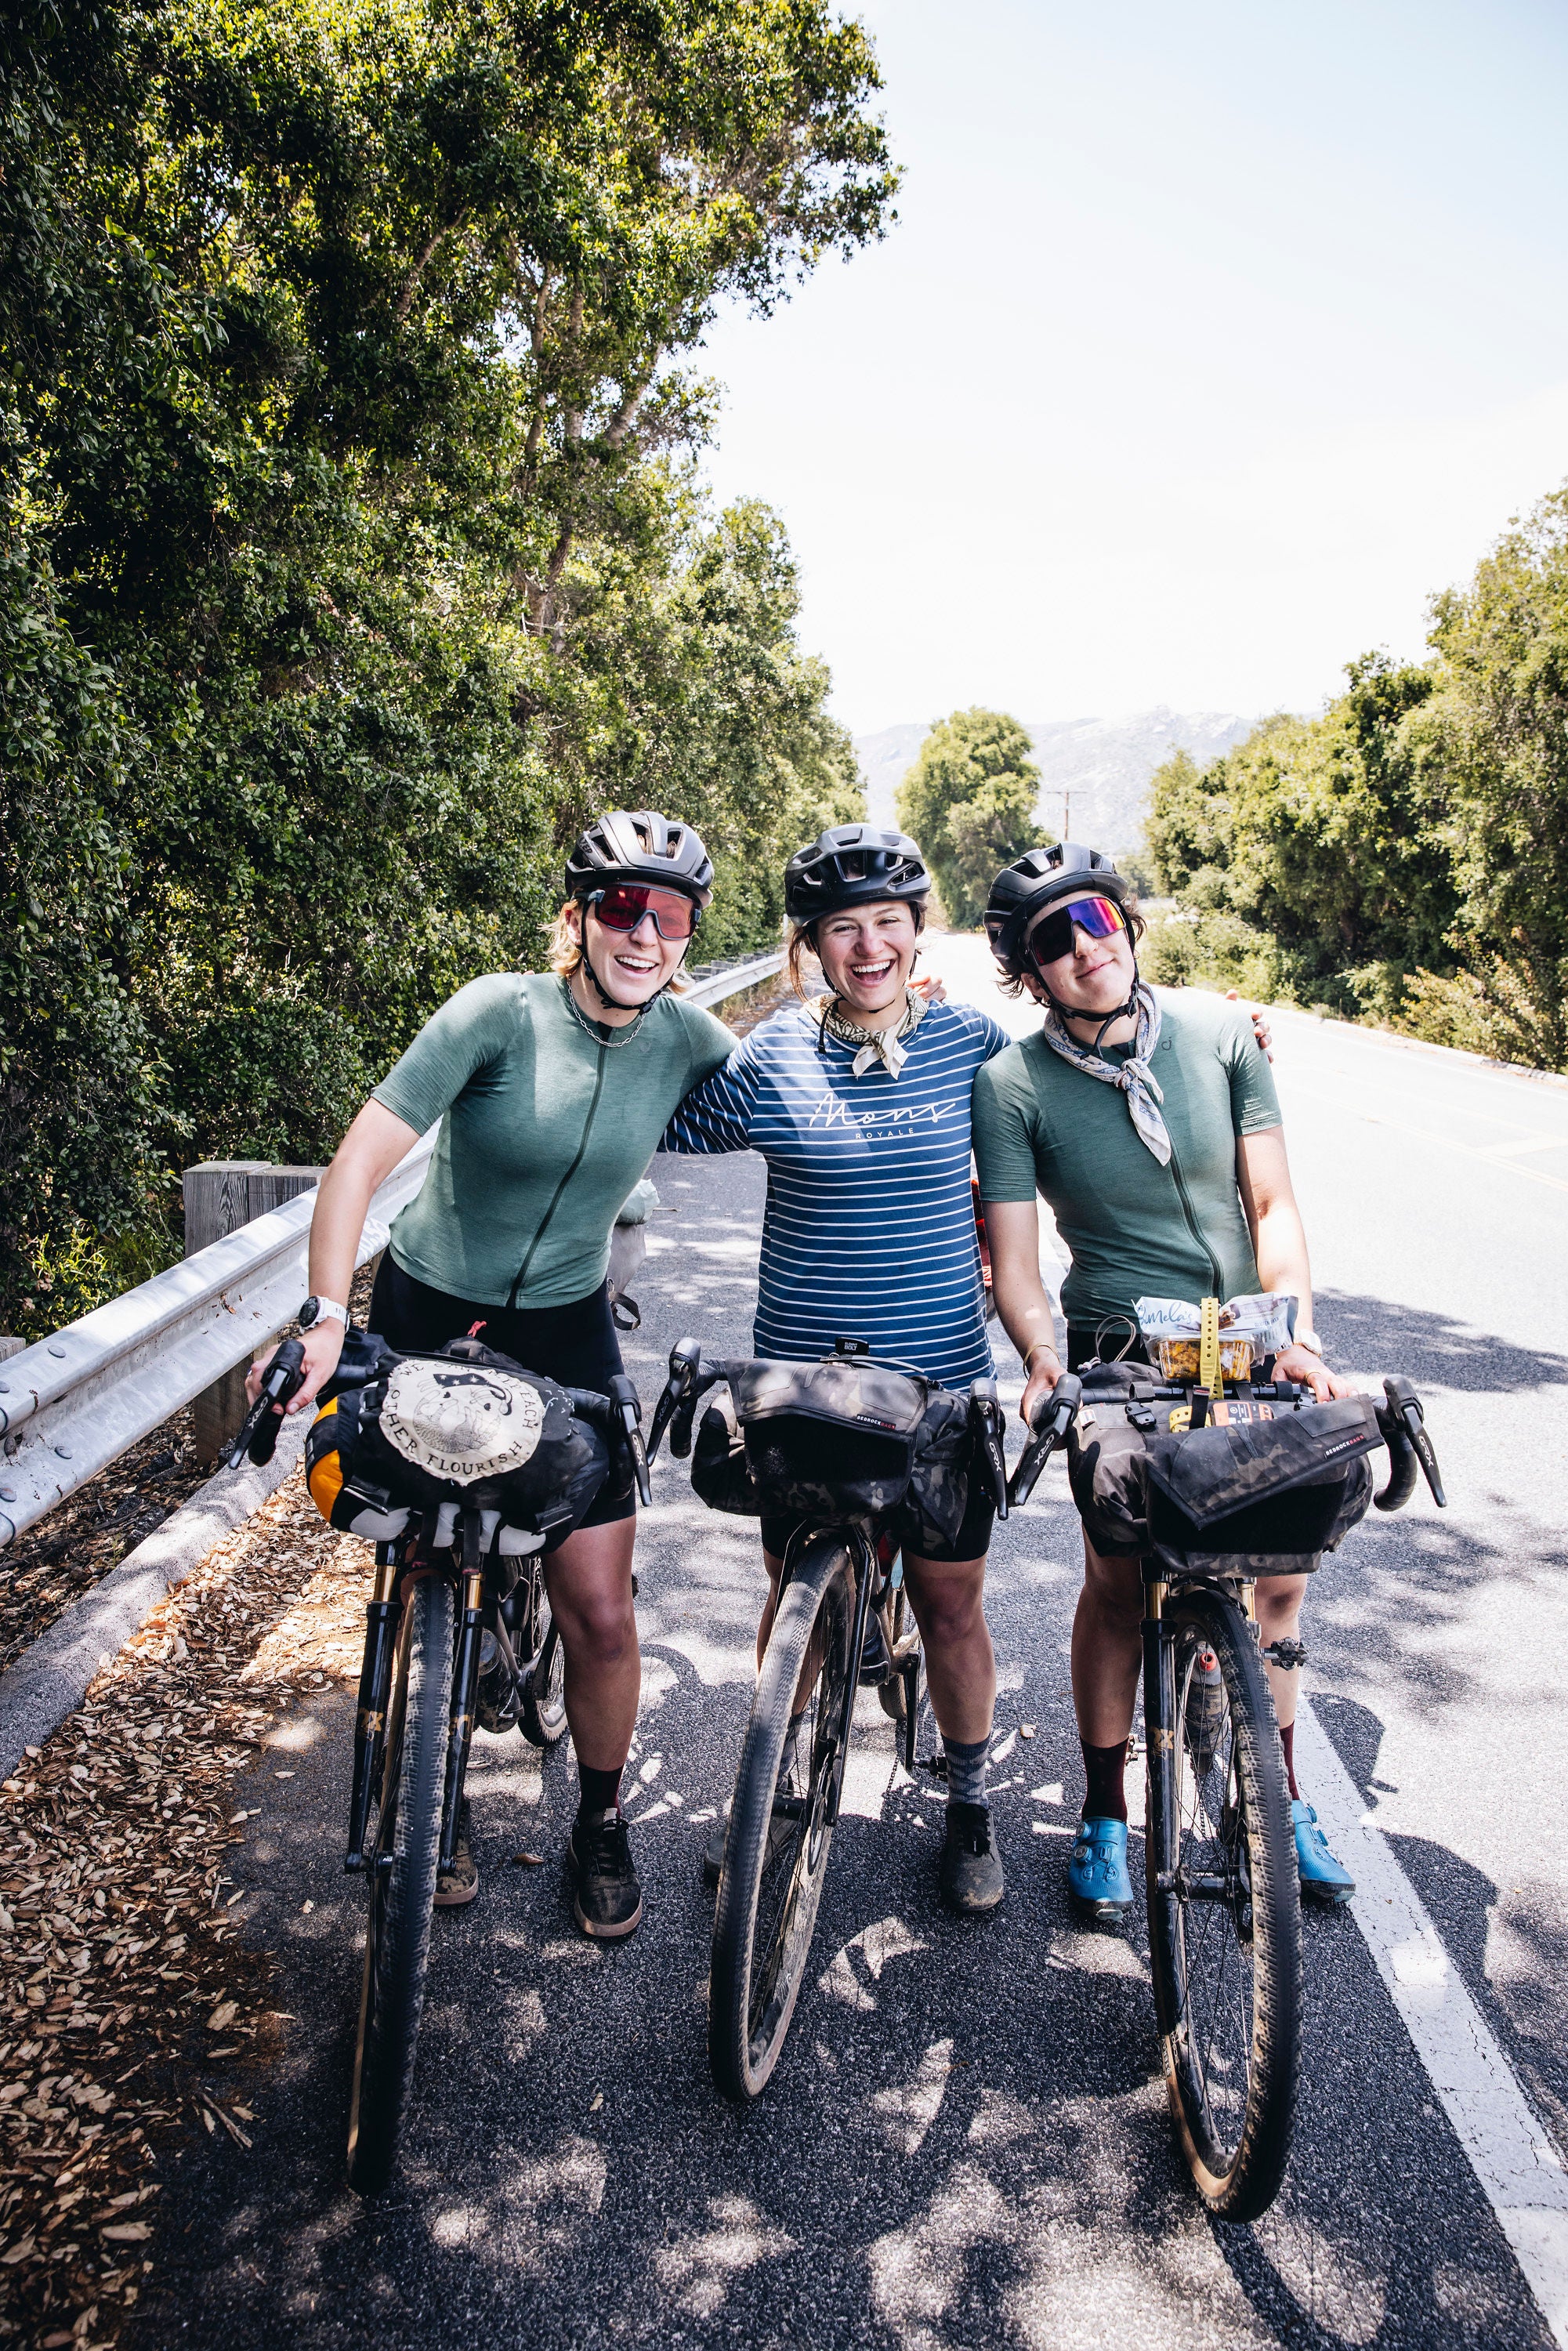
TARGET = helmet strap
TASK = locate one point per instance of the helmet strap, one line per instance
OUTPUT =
(1074, 1012)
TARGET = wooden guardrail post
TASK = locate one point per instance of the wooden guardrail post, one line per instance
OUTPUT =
(221, 1195)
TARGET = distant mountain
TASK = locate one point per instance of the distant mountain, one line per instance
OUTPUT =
(1098, 769)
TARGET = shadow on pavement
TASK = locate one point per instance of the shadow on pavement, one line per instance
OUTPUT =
(1395, 1337)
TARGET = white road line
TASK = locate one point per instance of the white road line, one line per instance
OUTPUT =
(1513, 2155)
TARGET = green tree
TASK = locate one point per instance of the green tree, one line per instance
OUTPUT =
(969, 800)
(353, 555)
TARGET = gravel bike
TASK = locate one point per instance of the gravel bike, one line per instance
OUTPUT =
(454, 1579)
(842, 1577)
(1224, 1900)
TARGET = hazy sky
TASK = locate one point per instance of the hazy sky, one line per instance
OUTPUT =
(1210, 340)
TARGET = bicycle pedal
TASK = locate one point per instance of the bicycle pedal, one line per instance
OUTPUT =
(936, 1764)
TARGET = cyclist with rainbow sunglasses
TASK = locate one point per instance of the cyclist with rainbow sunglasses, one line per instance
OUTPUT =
(1150, 1124)
(552, 1088)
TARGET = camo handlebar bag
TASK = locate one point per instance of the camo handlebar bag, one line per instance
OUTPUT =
(465, 1426)
(1245, 1497)
(835, 1439)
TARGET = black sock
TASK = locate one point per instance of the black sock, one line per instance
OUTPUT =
(1288, 1741)
(1105, 1769)
(600, 1789)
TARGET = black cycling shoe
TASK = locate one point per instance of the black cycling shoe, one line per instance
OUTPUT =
(607, 1901)
(875, 1659)
(971, 1868)
(496, 1704)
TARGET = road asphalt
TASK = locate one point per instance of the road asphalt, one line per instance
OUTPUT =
(966, 2143)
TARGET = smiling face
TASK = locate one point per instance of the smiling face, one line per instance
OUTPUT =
(630, 966)
(1093, 980)
(867, 954)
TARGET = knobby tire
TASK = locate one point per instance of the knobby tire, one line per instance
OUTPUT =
(401, 1889)
(1226, 1971)
(542, 1702)
(774, 1862)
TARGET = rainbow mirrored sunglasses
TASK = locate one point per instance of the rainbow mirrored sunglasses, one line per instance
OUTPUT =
(622, 905)
(1051, 938)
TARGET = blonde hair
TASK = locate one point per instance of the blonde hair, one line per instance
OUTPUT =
(803, 943)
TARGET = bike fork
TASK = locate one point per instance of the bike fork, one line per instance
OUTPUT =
(1161, 1732)
(382, 1615)
(866, 1566)
(465, 1689)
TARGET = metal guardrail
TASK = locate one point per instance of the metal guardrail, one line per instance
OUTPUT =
(72, 1403)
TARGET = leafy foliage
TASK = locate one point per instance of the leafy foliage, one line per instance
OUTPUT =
(1403, 857)
(350, 554)
(969, 800)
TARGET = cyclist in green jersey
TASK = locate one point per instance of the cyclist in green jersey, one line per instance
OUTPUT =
(552, 1089)
(1151, 1125)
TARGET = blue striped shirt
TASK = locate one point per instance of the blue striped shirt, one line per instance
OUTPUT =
(870, 1226)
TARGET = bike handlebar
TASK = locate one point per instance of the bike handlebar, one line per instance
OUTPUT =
(283, 1379)
(1053, 1416)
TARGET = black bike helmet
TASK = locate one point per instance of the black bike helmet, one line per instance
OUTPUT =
(640, 845)
(1035, 881)
(853, 865)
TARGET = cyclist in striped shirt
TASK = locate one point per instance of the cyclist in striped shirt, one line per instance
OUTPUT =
(859, 1102)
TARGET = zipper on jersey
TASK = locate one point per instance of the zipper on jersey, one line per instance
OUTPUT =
(1216, 1270)
(544, 1223)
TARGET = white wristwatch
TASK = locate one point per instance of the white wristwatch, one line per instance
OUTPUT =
(317, 1310)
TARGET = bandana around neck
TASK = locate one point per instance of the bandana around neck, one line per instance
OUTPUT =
(873, 1045)
(1134, 1076)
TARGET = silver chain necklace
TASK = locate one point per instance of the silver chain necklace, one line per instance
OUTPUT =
(593, 1030)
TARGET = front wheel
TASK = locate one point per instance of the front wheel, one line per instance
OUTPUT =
(403, 1849)
(1225, 1920)
(781, 1822)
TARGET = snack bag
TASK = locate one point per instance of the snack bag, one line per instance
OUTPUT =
(1248, 1328)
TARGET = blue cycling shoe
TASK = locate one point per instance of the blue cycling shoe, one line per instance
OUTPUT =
(1097, 1875)
(1324, 1879)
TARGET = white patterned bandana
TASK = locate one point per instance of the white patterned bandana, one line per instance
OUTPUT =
(873, 1045)
(1134, 1075)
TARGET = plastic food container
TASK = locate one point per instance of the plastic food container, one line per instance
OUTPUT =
(1178, 1358)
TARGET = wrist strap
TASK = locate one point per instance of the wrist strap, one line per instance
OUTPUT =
(328, 1311)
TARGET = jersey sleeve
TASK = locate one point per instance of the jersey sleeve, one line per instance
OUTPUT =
(716, 1115)
(710, 1043)
(1254, 1104)
(1004, 1137)
(453, 1044)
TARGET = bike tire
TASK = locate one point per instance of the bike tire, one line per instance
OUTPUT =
(541, 1701)
(405, 1849)
(775, 1863)
(1226, 1967)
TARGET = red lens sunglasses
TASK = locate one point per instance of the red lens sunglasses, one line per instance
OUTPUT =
(622, 905)
(1051, 939)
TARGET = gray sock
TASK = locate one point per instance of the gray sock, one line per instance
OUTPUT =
(966, 1769)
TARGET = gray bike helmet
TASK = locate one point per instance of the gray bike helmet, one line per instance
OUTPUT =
(1037, 880)
(853, 865)
(640, 845)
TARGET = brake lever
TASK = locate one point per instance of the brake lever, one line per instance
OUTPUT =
(1053, 1416)
(628, 1409)
(283, 1378)
(986, 1422)
(1405, 1407)
(685, 1362)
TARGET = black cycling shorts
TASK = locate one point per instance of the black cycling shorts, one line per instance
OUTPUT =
(915, 1532)
(575, 1344)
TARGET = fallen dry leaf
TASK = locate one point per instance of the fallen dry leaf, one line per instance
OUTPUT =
(1026, 1730)
(529, 1860)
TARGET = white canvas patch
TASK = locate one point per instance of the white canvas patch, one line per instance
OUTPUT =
(461, 1422)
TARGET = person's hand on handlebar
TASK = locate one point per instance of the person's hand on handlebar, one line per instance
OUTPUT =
(323, 1343)
(1045, 1368)
(1310, 1371)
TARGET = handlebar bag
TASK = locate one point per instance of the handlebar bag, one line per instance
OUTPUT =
(466, 1425)
(834, 1439)
(1270, 1496)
